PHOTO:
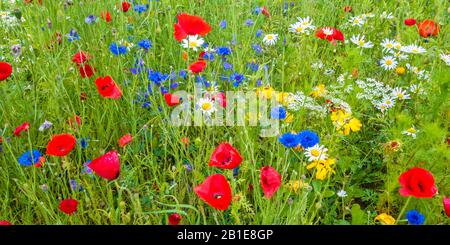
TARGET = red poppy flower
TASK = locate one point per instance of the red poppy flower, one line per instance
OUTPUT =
(410, 22)
(265, 11)
(174, 219)
(105, 15)
(125, 6)
(225, 156)
(417, 182)
(171, 100)
(125, 140)
(87, 71)
(215, 191)
(107, 88)
(21, 128)
(68, 206)
(331, 34)
(185, 140)
(5, 70)
(106, 166)
(190, 25)
(61, 145)
(197, 66)
(80, 57)
(446, 202)
(270, 181)
(5, 222)
(77, 120)
(221, 99)
(428, 28)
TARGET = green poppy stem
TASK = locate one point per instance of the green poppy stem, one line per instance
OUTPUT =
(403, 209)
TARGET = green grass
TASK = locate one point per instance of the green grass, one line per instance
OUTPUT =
(154, 181)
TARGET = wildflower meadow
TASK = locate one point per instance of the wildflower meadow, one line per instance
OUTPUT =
(224, 112)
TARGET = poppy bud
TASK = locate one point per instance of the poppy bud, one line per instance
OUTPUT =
(174, 219)
(410, 22)
(348, 9)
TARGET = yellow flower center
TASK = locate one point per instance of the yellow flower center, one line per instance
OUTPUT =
(269, 37)
(193, 44)
(400, 95)
(411, 130)
(315, 152)
(206, 106)
(389, 45)
(361, 42)
(299, 29)
(389, 62)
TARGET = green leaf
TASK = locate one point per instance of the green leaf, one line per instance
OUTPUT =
(328, 193)
(357, 215)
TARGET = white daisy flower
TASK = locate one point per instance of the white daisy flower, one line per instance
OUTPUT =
(400, 94)
(385, 15)
(412, 131)
(357, 21)
(316, 153)
(270, 39)
(388, 44)
(206, 105)
(445, 58)
(413, 49)
(388, 62)
(400, 55)
(413, 69)
(341, 193)
(416, 89)
(327, 31)
(192, 42)
(359, 40)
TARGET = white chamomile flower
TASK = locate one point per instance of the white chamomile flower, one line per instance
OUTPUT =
(357, 21)
(413, 49)
(445, 58)
(388, 44)
(385, 15)
(304, 25)
(341, 193)
(412, 131)
(388, 101)
(359, 40)
(192, 42)
(400, 94)
(316, 153)
(400, 55)
(206, 105)
(388, 62)
(416, 89)
(398, 46)
(209, 50)
(327, 31)
(270, 39)
(413, 69)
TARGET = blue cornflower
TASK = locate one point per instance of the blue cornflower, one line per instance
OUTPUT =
(259, 33)
(208, 56)
(183, 74)
(227, 66)
(289, 140)
(235, 172)
(257, 10)
(86, 168)
(164, 90)
(223, 51)
(257, 48)
(249, 22)
(157, 77)
(308, 138)
(258, 83)
(84, 143)
(90, 19)
(145, 44)
(237, 79)
(140, 8)
(29, 158)
(117, 50)
(223, 24)
(174, 85)
(253, 66)
(278, 113)
(415, 217)
(73, 35)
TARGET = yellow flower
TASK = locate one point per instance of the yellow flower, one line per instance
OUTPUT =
(323, 168)
(266, 92)
(385, 219)
(353, 125)
(289, 118)
(319, 91)
(283, 98)
(400, 70)
(295, 185)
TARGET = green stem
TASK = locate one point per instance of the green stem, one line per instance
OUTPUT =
(403, 209)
